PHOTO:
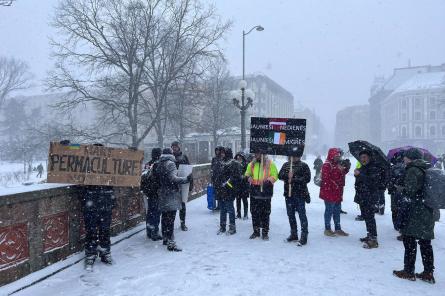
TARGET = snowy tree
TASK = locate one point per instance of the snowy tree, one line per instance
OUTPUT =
(14, 76)
(123, 56)
(6, 2)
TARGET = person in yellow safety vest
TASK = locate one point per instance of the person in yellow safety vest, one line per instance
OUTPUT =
(262, 177)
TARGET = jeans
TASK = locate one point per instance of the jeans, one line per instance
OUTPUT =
(226, 207)
(153, 216)
(260, 209)
(296, 204)
(332, 210)
(182, 212)
(168, 224)
(97, 227)
(426, 251)
(368, 214)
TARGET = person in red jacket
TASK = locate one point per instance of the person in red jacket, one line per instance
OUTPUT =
(333, 176)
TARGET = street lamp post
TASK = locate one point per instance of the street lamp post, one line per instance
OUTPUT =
(243, 105)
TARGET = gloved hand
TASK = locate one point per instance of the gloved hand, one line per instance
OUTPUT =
(189, 178)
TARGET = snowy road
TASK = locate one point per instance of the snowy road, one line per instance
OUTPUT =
(222, 265)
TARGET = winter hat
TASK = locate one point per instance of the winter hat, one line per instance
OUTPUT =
(156, 153)
(365, 152)
(168, 151)
(228, 152)
(413, 154)
(175, 144)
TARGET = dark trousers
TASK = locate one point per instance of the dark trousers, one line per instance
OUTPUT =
(153, 217)
(97, 227)
(332, 211)
(244, 199)
(226, 207)
(381, 203)
(260, 209)
(426, 250)
(183, 212)
(296, 204)
(168, 224)
(368, 214)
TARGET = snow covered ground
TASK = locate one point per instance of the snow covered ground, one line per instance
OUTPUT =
(12, 175)
(235, 265)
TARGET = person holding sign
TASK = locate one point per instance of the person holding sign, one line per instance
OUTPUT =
(333, 176)
(296, 175)
(170, 199)
(262, 173)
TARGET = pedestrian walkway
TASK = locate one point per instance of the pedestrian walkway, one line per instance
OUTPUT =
(235, 265)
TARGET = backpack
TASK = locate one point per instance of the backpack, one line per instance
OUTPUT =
(434, 189)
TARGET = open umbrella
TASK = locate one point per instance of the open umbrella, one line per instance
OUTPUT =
(427, 155)
(377, 154)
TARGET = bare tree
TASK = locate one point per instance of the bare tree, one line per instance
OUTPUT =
(14, 75)
(121, 57)
(219, 112)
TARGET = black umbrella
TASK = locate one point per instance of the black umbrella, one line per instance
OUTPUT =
(377, 154)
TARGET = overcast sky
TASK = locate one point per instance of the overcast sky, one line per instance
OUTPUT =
(325, 52)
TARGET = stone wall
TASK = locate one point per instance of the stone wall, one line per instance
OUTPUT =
(38, 228)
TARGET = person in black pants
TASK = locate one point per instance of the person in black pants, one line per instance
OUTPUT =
(242, 193)
(181, 159)
(296, 201)
(98, 203)
(215, 171)
(149, 187)
(367, 195)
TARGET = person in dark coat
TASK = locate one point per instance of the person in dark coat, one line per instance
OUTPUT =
(396, 179)
(296, 201)
(367, 195)
(181, 158)
(39, 171)
(242, 192)
(169, 195)
(231, 179)
(149, 186)
(318, 163)
(384, 176)
(215, 171)
(419, 224)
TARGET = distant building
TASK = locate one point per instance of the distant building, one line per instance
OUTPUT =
(352, 124)
(316, 135)
(271, 99)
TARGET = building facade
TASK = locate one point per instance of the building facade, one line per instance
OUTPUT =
(352, 124)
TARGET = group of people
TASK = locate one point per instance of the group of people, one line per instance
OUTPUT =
(239, 177)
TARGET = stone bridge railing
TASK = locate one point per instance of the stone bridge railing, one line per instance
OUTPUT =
(45, 225)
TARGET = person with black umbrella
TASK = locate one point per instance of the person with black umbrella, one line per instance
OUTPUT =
(367, 190)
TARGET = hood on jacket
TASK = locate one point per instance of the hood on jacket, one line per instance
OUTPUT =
(166, 157)
(419, 163)
(242, 155)
(332, 153)
(229, 153)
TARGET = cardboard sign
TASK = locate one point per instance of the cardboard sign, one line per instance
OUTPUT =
(94, 165)
(277, 136)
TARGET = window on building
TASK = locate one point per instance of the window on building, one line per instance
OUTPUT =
(418, 132)
(404, 103)
(418, 116)
(432, 131)
(404, 116)
(404, 133)
(432, 103)
(432, 115)
(418, 103)
(443, 131)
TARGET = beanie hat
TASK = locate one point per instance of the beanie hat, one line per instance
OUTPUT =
(167, 151)
(156, 153)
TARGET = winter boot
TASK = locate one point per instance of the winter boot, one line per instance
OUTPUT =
(156, 237)
(106, 258)
(184, 227)
(364, 239)
(222, 229)
(341, 233)
(172, 247)
(293, 237)
(89, 262)
(329, 233)
(255, 234)
(359, 218)
(426, 277)
(303, 239)
(371, 243)
(404, 275)
(246, 217)
(265, 235)
(232, 230)
(165, 241)
(343, 212)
